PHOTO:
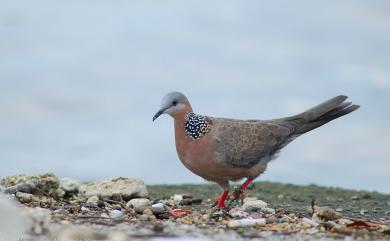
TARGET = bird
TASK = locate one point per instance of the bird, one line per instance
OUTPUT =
(222, 150)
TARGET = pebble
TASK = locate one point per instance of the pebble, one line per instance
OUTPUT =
(363, 212)
(93, 200)
(326, 213)
(139, 204)
(339, 209)
(254, 205)
(158, 208)
(117, 215)
(125, 188)
(38, 220)
(69, 185)
(24, 197)
(143, 217)
(104, 215)
(12, 222)
(312, 223)
(268, 210)
(44, 183)
(59, 193)
(271, 220)
(177, 198)
(355, 198)
(247, 222)
(84, 210)
(238, 213)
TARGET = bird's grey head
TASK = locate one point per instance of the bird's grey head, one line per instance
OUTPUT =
(171, 103)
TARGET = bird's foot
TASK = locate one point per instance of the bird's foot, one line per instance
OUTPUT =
(237, 194)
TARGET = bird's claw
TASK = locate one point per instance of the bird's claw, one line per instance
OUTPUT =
(237, 194)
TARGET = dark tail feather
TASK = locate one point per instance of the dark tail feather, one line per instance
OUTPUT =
(323, 113)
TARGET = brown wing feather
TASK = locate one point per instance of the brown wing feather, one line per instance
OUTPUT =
(245, 143)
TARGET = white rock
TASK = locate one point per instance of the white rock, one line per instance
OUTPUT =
(158, 208)
(254, 205)
(24, 197)
(93, 200)
(117, 215)
(69, 185)
(139, 204)
(12, 225)
(77, 232)
(128, 188)
(247, 222)
(268, 210)
(59, 193)
(104, 215)
(249, 199)
(238, 213)
(85, 210)
(38, 220)
(312, 223)
(177, 198)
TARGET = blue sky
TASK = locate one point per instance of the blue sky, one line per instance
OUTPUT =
(81, 80)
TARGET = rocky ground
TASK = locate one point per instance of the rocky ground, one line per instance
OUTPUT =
(48, 207)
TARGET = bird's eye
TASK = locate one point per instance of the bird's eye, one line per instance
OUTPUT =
(174, 103)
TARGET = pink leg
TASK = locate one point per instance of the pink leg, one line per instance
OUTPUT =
(221, 201)
(237, 193)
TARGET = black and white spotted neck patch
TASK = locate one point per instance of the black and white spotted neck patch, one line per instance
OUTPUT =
(196, 126)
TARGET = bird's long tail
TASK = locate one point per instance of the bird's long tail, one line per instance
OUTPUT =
(323, 113)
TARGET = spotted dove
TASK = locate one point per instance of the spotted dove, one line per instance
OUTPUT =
(223, 150)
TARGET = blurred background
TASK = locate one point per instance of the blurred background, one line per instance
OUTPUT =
(81, 80)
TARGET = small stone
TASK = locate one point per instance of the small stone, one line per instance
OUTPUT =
(247, 222)
(280, 196)
(248, 199)
(339, 209)
(311, 222)
(143, 217)
(85, 210)
(177, 198)
(363, 212)
(117, 215)
(268, 210)
(327, 213)
(271, 220)
(101, 204)
(238, 213)
(38, 220)
(104, 215)
(69, 185)
(158, 208)
(125, 188)
(12, 222)
(139, 204)
(355, 197)
(59, 193)
(44, 183)
(254, 205)
(93, 200)
(24, 197)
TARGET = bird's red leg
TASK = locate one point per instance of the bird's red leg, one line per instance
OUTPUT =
(236, 194)
(221, 201)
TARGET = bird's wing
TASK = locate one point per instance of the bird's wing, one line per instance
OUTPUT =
(245, 143)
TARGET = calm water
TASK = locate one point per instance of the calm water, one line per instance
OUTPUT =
(81, 80)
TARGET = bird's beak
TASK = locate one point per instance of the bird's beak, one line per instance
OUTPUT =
(160, 112)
